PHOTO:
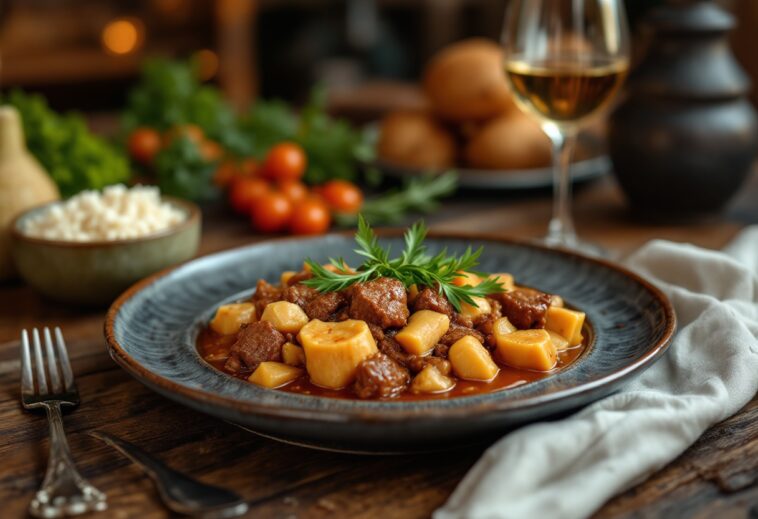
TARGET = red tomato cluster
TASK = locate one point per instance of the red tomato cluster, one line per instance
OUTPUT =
(144, 143)
(276, 200)
(271, 193)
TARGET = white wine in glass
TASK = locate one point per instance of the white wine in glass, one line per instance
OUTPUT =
(565, 60)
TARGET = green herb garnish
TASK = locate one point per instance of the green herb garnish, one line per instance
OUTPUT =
(413, 267)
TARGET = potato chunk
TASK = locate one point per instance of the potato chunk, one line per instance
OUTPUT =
(528, 349)
(286, 317)
(559, 341)
(430, 380)
(274, 374)
(565, 322)
(471, 360)
(423, 331)
(502, 327)
(334, 350)
(482, 307)
(412, 293)
(230, 318)
(466, 278)
(285, 277)
(505, 279)
(293, 355)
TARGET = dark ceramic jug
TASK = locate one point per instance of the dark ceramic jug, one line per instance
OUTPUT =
(684, 139)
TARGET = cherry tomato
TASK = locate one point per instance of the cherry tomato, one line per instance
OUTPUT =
(211, 150)
(271, 212)
(190, 131)
(285, 161)
(342, 196)
(226, 173)
(143, 144)
(311, 216)
(244, 190)
(294, 190)
(249, 167)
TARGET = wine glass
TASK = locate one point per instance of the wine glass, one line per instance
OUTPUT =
(565, 60)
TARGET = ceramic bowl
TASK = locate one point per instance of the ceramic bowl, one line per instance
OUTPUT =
(94, 273)
(152, 328)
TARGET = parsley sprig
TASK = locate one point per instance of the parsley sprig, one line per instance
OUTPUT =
(412, 267)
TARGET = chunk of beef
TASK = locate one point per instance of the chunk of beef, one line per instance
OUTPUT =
(487, 328)
(417, 364)
(390, 347)
(457, 332)
(525, 308)
(383, 302)
(256, 343)
(465, 321)
(380, 377)
(376, 332)
(431, 299)
(325, 306)
(265, 293)
(441, 350)
(300, 294)
(497, 308)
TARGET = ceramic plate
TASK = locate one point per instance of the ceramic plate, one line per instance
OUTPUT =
(151, 330)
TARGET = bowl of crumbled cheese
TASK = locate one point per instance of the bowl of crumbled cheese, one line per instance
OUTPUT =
(91, 247)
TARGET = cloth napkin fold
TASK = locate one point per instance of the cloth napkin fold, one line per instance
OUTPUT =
(571, 467)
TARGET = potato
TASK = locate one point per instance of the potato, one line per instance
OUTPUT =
(286, 317)
(334, 350)
(528, 349)
(502, 327)
(514, 141)
(559, 341)
(416, 140)
(412, 293)
(430, 380)
(556, 300)
(471, 360)
(465, 81)
(565, 322)
(274, 374)
(286, 276)
(422, 332)
(293, 354)
(467, 278)
(330, 268)
(230, 318)
(504, 279)
(482, 307)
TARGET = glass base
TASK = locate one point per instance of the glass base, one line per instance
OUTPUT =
(571, 242)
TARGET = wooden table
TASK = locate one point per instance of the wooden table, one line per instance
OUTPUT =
(718, 475)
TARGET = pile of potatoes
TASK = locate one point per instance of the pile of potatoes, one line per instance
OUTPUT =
(471, 121)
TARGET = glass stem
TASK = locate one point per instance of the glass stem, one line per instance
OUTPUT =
(561, 229)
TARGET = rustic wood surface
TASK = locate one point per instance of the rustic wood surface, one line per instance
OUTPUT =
(718, 476)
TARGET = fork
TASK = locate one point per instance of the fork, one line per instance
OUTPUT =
(64, 491)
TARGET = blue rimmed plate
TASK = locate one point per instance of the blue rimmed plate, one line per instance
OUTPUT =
(151, 331)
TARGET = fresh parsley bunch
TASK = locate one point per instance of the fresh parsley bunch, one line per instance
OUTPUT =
(413, 267)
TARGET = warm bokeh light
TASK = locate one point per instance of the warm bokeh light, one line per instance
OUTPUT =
(123, 35)
(207, 64)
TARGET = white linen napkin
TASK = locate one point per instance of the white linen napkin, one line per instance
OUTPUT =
(570, 468)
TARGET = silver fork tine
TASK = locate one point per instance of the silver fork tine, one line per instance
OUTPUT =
(27, 379)
(68, 375)
(41, 377)
(52, 364)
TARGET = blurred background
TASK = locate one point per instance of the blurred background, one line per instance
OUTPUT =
(86, 54)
